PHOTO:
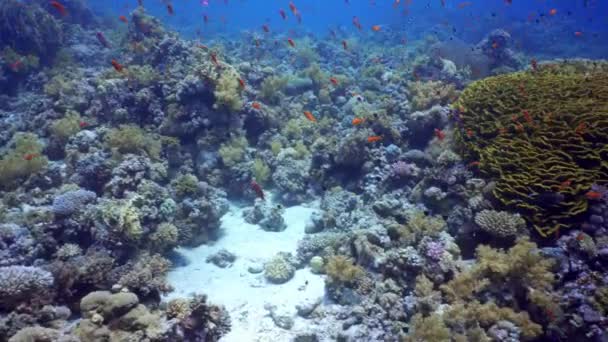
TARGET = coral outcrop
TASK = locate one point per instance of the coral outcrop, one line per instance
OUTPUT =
(537, 131)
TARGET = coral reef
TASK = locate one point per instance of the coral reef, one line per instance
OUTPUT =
(516, 123)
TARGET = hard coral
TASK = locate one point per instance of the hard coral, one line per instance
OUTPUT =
(147, 276)
(532, 131)
(21, 283)
(500, 223)
(279, 270)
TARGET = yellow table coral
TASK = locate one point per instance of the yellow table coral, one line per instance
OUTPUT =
(542, 135)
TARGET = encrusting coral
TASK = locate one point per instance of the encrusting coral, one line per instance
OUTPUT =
(537, 131)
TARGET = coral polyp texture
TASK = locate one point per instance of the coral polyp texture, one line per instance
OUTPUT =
(541, 135)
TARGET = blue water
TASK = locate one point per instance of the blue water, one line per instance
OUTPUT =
(530, 22)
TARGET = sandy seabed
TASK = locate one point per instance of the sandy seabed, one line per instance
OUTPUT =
(245, 294)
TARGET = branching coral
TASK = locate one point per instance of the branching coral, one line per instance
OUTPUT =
(500, 223)
(18, 283)
(147, 275)
(22, 161)
(535, 131)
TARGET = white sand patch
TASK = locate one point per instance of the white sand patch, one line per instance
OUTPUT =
(245, 294)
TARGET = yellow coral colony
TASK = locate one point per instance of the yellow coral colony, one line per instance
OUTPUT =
(532, 131)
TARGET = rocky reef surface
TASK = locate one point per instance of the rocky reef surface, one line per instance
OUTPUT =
(386, 192)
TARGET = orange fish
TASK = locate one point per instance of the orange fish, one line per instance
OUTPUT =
(31, 156)
(502, 131)
(170, 9)
(283, 15)
(291, 42)
(581, 128)
(474, 164)
(578, 33)
(357, 23)
(527, 116)
(534, 64)
(374, 138)
(333, 81)
(376, 28)
(257, 43)
(266, 28)
(469, 133)
(494, 45)
(256, 105)
(553, 11)
(563, 185)
(16, 65)
(123, 19)
(242, 83)
(594, 195)
(358, 121)
(292, 7)
(117, 66)
(213, 57)
(59, 7)
(519, 127)
(439, 134)
(309, 116)
(344, 45)
(82, 124)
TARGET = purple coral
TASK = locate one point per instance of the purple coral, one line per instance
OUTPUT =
(434, 250)
(19, 283)
(72, 201)
(402, 169)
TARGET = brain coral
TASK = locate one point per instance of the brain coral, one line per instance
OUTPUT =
(541, 134)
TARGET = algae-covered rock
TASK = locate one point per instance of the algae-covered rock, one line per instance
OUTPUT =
(541, 134)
